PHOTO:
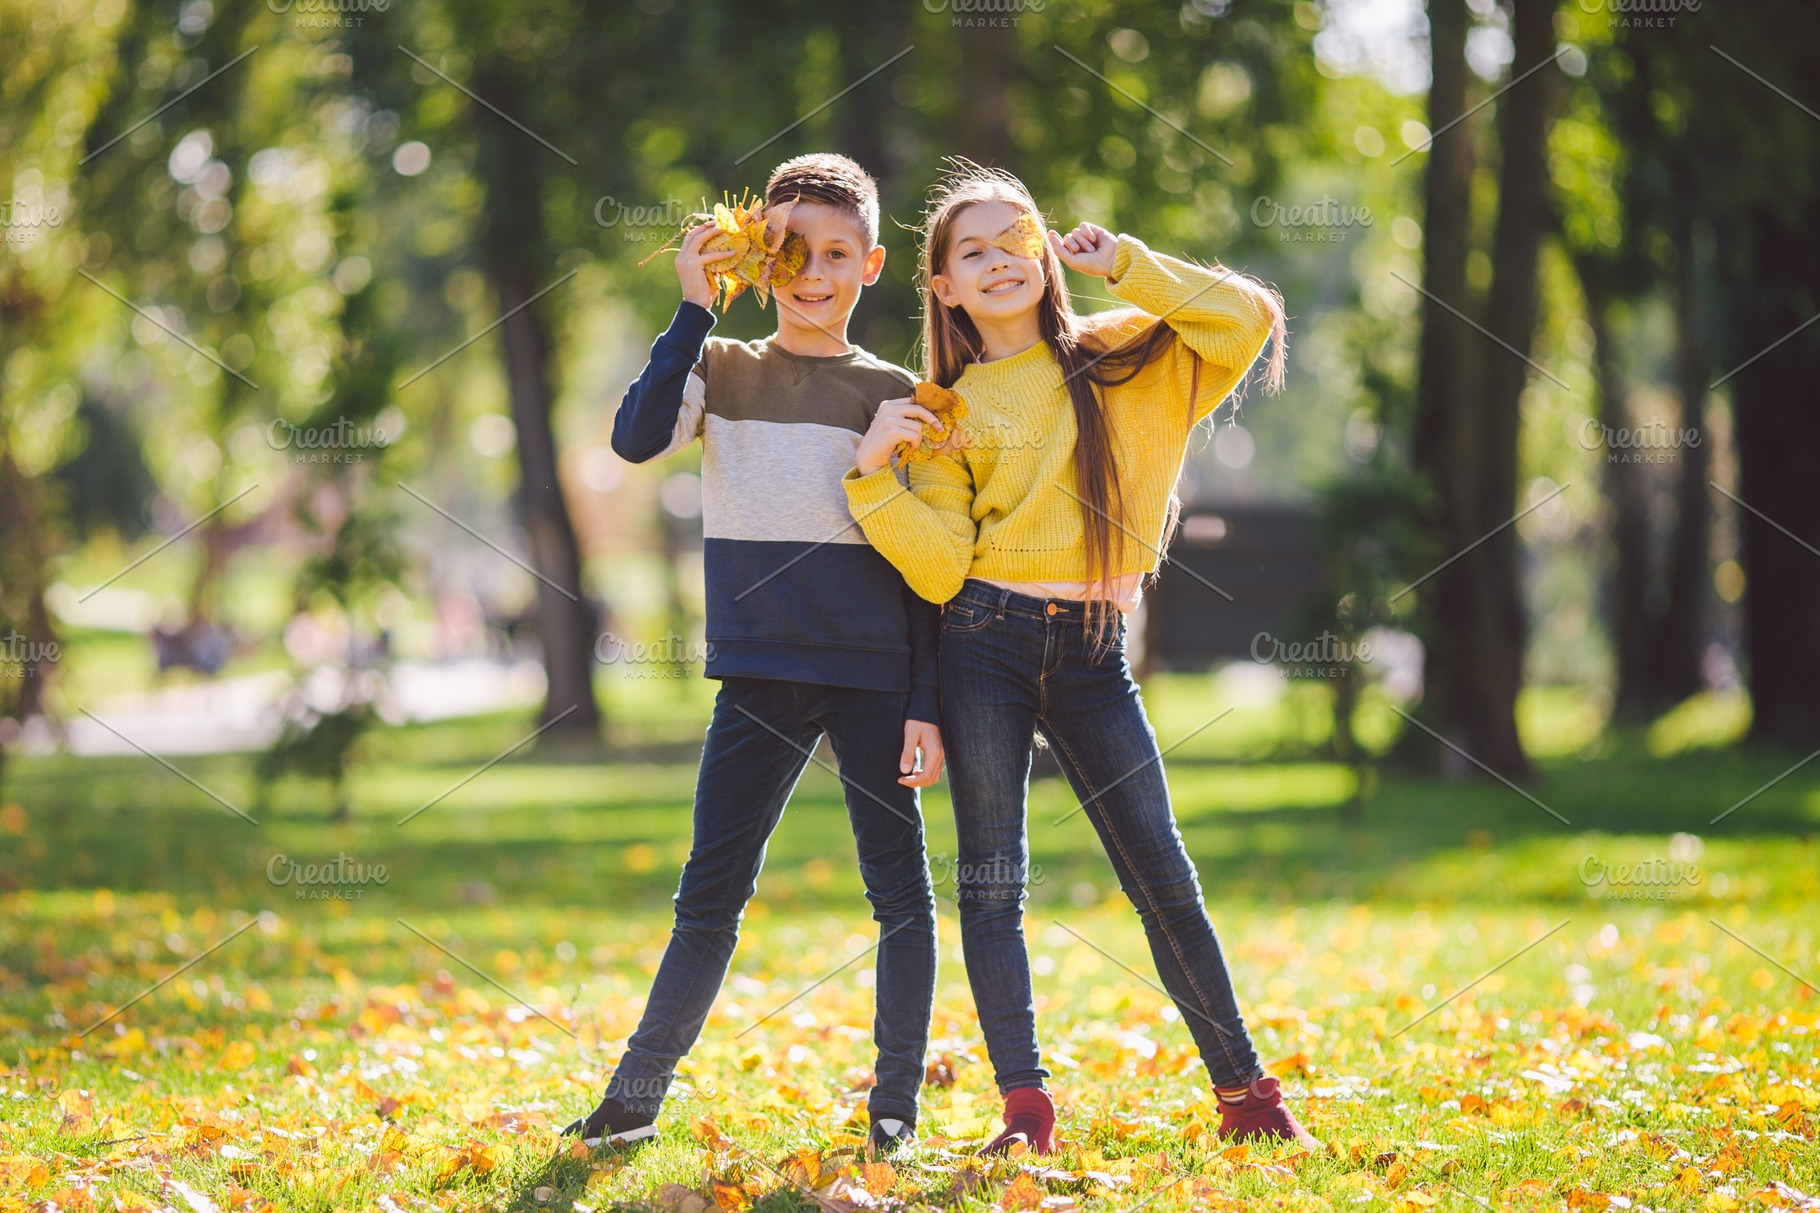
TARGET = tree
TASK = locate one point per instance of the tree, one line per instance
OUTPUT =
(1468, 415)
(1731, 122)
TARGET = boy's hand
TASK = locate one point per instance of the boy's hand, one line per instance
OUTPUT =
(692, 265)
(920, 735)
(897, 421)
(1088, 248)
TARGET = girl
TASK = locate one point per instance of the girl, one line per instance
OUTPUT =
(1035, 523)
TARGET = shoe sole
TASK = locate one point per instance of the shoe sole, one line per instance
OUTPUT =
(630, 1137)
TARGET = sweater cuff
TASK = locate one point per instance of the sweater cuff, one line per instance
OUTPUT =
(868, 492)
(1125, 248)
(690, 326)
(925, 704)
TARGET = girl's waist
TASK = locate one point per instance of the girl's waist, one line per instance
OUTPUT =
(1124, 591)
(1031, 599)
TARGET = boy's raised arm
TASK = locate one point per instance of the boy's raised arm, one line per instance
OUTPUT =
(662, 410)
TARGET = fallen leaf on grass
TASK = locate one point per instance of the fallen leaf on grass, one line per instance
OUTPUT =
(803, 1167)
(476, 1156)
(675, 1198)
(1294, 1064)
(709, 1133)
(1022, 1193)
(518, 1123)
(731, 1195)
(877, 1177)
(194, 1199)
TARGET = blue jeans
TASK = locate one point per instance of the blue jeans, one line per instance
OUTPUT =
(1013, 665)
(759, 740)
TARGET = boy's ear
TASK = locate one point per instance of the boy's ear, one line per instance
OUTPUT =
(874, 265)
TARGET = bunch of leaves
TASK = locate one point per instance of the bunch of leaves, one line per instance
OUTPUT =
(766, 253)
(949, 408)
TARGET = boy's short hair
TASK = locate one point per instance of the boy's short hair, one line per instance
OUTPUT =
(832, 180)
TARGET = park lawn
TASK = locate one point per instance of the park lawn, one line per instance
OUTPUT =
(1455, 1010)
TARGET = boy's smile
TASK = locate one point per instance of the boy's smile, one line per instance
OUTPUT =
(813, 308)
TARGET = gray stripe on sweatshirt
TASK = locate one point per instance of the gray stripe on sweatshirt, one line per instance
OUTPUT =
(776, 481)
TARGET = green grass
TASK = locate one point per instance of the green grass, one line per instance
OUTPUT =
(337, 1051)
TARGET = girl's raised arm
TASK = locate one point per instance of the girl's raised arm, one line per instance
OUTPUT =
(1222, 315)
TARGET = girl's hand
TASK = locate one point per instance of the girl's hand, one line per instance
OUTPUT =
(1088, 249)
(897, 421)
(693, 266)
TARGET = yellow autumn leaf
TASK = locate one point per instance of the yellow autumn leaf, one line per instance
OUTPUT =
(730, 1195)
(1022, 1193)
(877, 1177)
(1024, 238)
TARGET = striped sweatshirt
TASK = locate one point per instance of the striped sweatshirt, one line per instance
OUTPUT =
(794, 590)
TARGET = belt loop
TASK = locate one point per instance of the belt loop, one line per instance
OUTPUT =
(1004, 596)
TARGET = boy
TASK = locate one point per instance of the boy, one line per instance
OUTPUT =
(810, 631)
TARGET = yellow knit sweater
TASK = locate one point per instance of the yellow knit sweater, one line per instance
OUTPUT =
(1005, 506)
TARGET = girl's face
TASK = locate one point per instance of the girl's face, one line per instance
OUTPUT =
(980, 278)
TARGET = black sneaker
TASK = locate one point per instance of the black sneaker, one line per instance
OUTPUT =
(889, 1137)
(613, 1124)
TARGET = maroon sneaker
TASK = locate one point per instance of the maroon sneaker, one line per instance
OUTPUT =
(1029, 1118)
(1261, 1114)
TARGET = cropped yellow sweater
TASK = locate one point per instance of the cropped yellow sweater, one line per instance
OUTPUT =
(1004, 506)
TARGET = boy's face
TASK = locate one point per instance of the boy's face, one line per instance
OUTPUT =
(981, 278)
(839, 263)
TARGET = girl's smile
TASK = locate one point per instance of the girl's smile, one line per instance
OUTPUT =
(999, 291)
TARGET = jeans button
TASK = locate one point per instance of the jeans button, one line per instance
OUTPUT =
(1051, 608)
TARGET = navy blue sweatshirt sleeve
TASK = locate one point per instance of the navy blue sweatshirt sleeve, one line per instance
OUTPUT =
(925, 635)
(646, 421)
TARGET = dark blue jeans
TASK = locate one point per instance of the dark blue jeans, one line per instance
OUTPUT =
(1013, 665)
(760, 738)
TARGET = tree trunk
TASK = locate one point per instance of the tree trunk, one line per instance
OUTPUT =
(516, 258)
(565, 623)
(1486, 673)
(23, 557)
(1626, 490)
(1441, 387)
(1681, 630)
(981, 129)
(1778, 432)
(872, 132)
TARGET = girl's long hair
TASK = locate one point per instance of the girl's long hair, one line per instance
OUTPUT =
(951, 342)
